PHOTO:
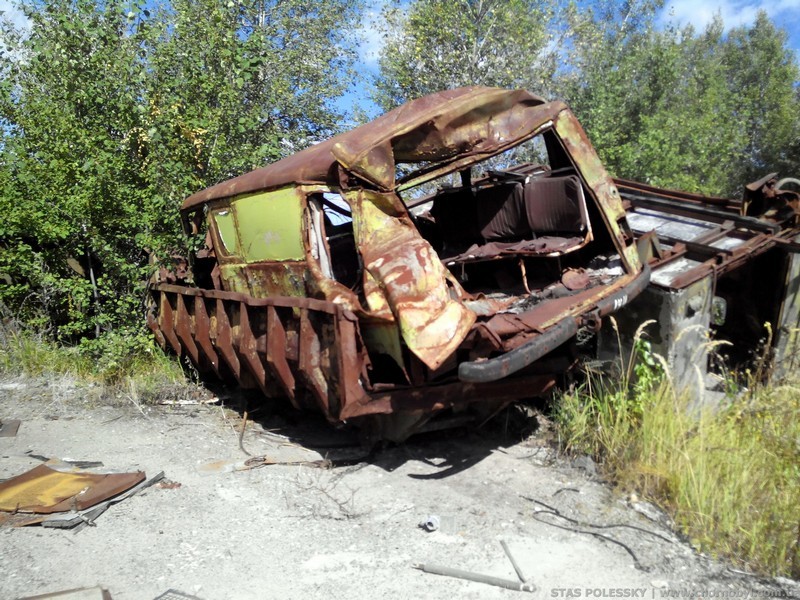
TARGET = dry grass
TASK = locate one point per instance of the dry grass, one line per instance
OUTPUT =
(135, 369)
(729, 476)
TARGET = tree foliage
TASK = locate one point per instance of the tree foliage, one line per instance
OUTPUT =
(433, 45)
(112, 112)
(764, 76)
(703, 112)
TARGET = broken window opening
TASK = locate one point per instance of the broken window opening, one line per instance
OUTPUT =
(226, 229)
(335, 227)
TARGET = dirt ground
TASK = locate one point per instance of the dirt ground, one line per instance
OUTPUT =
(349, 531)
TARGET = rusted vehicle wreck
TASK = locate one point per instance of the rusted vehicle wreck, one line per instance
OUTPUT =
(404, 270)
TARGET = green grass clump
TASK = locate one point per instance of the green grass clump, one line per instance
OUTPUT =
(22, 353)
(730, 477)
(119, 361)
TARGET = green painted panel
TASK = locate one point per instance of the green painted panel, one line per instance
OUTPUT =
(227, 230)
(270, 225)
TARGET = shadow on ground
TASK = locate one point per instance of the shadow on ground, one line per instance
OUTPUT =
(447, 450)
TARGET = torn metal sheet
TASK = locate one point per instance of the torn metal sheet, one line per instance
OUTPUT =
(44, 490)
(9, 427)
(408, 278)
(81, 519)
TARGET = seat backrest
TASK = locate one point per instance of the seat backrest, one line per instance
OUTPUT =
(556, 205)
(501, 212)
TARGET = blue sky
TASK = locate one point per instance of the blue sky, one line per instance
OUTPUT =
(786, 13)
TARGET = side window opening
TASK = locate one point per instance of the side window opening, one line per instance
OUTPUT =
(316, 236)
(203, 254)
(333, 227)
(226, 227)
(337, 212)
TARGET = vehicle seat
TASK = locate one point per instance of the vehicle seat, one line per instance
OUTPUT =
(556, 205)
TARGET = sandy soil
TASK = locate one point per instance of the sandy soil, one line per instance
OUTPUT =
(350, 531)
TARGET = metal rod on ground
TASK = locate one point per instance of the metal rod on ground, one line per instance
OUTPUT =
(477, 577)
(510, 556)
(241, 435)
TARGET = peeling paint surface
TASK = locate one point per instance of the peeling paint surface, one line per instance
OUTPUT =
(407, 276)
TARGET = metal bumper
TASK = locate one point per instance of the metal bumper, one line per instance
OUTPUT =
(482, 371)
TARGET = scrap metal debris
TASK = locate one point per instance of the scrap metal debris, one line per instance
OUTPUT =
(168, 484)
(514, 563)
(431, 523)
(79, 520)
(477, 577)
(175, 595)
(46, 490)
(228, 466)
(9, 428)
(57, 494)
(523, 585)
(95, 593)
(80, 464)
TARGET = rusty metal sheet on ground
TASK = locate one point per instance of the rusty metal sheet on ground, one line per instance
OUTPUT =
(9, 427)
(45, 490)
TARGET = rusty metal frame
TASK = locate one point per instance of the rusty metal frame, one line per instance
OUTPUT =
(219, 331)
(311, 350)
(275, 342)
(758, 234)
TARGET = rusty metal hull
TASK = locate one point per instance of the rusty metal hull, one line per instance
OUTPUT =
(310, 352)
(318, 283)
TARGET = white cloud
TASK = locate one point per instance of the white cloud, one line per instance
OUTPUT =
(733, 12)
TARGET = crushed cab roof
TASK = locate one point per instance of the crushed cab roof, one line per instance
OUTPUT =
(460, 126)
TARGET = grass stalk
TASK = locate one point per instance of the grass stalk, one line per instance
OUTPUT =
(729, 476)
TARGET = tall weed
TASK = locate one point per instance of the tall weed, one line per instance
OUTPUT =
(118, 361)
(729, 475)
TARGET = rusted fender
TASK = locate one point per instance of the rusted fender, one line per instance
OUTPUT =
(404, 275)
(483, 371)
